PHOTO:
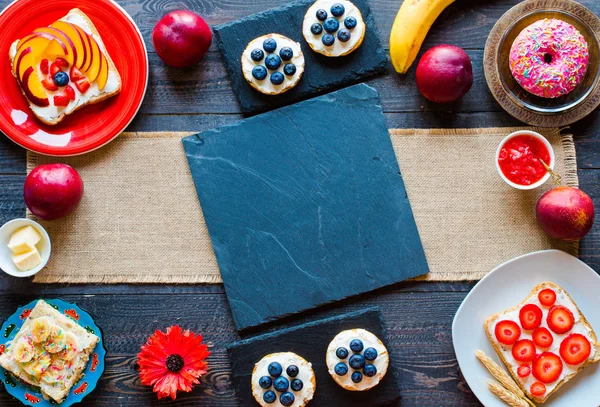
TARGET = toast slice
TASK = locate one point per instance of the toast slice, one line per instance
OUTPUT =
(581, 326)
(92, 74)
(53, 373)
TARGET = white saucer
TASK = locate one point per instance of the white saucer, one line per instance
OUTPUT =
(506, 286)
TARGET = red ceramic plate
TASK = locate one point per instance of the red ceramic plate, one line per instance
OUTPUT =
(92, 126)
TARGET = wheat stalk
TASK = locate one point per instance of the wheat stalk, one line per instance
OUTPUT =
(506, 396)
(504, 378)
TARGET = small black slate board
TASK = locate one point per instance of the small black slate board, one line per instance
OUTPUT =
(305, 205)
(322, 74)
(311, 341)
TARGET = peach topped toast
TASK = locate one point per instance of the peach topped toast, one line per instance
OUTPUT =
(64, 67)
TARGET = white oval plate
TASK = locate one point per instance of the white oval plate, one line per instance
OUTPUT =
(505, 287)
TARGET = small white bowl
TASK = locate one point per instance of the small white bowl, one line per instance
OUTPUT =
(44, 246)
(537, 136)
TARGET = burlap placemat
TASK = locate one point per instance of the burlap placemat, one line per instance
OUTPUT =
(140, 220)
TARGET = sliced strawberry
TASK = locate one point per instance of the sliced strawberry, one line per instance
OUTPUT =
(547, 367)
(69, 92)
(62, 63)
(80, 80)
(530, 316)
(49, 84)
(507, 332)
(575, 349)
(54, 69)
(44, 66)
(547, 297)
(560, 319)
(524, 371)
(60, 100)
(524, 350)
(538, 389)
(542, 338)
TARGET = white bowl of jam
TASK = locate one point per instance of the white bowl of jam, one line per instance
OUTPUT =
(519, 159)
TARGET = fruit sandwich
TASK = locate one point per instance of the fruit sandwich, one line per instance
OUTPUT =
(64, 67)
(545, 341)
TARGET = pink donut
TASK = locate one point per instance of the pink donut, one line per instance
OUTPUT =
(549, 58)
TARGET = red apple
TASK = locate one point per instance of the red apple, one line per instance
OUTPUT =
(565, 213)
(53, 191)
(181, 38)
(444, 74)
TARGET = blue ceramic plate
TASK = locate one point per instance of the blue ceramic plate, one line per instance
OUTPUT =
(31, 396)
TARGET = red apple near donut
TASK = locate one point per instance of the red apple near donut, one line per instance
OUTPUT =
(565, 213)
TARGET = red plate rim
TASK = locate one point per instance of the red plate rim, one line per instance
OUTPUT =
(133, 116)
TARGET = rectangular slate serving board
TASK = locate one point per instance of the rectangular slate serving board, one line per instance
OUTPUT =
(305, 205)
(310, 341)
(322, 74)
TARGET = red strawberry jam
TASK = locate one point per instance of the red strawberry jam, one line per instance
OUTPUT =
(518, 159)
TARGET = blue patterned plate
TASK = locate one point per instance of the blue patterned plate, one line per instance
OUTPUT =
(31, 396)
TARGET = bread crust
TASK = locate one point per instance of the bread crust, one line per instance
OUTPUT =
(97, 99)
(583, 320)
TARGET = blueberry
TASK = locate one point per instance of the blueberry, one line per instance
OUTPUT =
(357, 377)
(292, 370)
(338, 9)
(275, 369)
(297, 385)
(328, 39)
(331, 25)
(287, 399)
(269, 397)
(356, 345)
(265, 382)
(259, 72)
(257, 55)
(270, 45)
(370, 370)
(289, 69)
(277, 78)
(273, 62)
(350, 22)
(61, 78)
(286, 53)
(370, 354)
(316, 28)
(321, 15)
(281, 384)
(343, 35)
(341, 369)
(357, 362)
(341, 353)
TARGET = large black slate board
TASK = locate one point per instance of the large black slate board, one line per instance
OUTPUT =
(305, 205)
(322, 74)
(310, 341)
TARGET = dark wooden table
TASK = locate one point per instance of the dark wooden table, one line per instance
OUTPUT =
(418, 316)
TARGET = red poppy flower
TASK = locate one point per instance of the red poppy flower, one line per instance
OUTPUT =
(172, 361)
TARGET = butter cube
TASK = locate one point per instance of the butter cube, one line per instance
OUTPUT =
(24, 240)
(27, 261)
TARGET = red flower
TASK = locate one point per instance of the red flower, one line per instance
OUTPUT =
(172, 361)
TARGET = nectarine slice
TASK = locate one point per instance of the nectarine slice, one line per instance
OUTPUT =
(103, 73)
(33, 88)
(87, 41)
(78, 40)
(62, 47)
(94, 68)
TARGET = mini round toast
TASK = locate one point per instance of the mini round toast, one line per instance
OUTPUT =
(273, 64)
(334, 28)
(287, 361)
(340, 352)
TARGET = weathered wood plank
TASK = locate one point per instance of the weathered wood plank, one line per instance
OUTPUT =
(418, 334)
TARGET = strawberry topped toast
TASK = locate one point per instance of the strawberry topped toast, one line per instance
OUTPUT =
(64, 67)
(544, 342)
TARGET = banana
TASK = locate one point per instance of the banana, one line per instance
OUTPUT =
(410, 28)
(56, 372)
(72, 348)
(24, 351)
(40, 328)
(37, 368)
(56, 339)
